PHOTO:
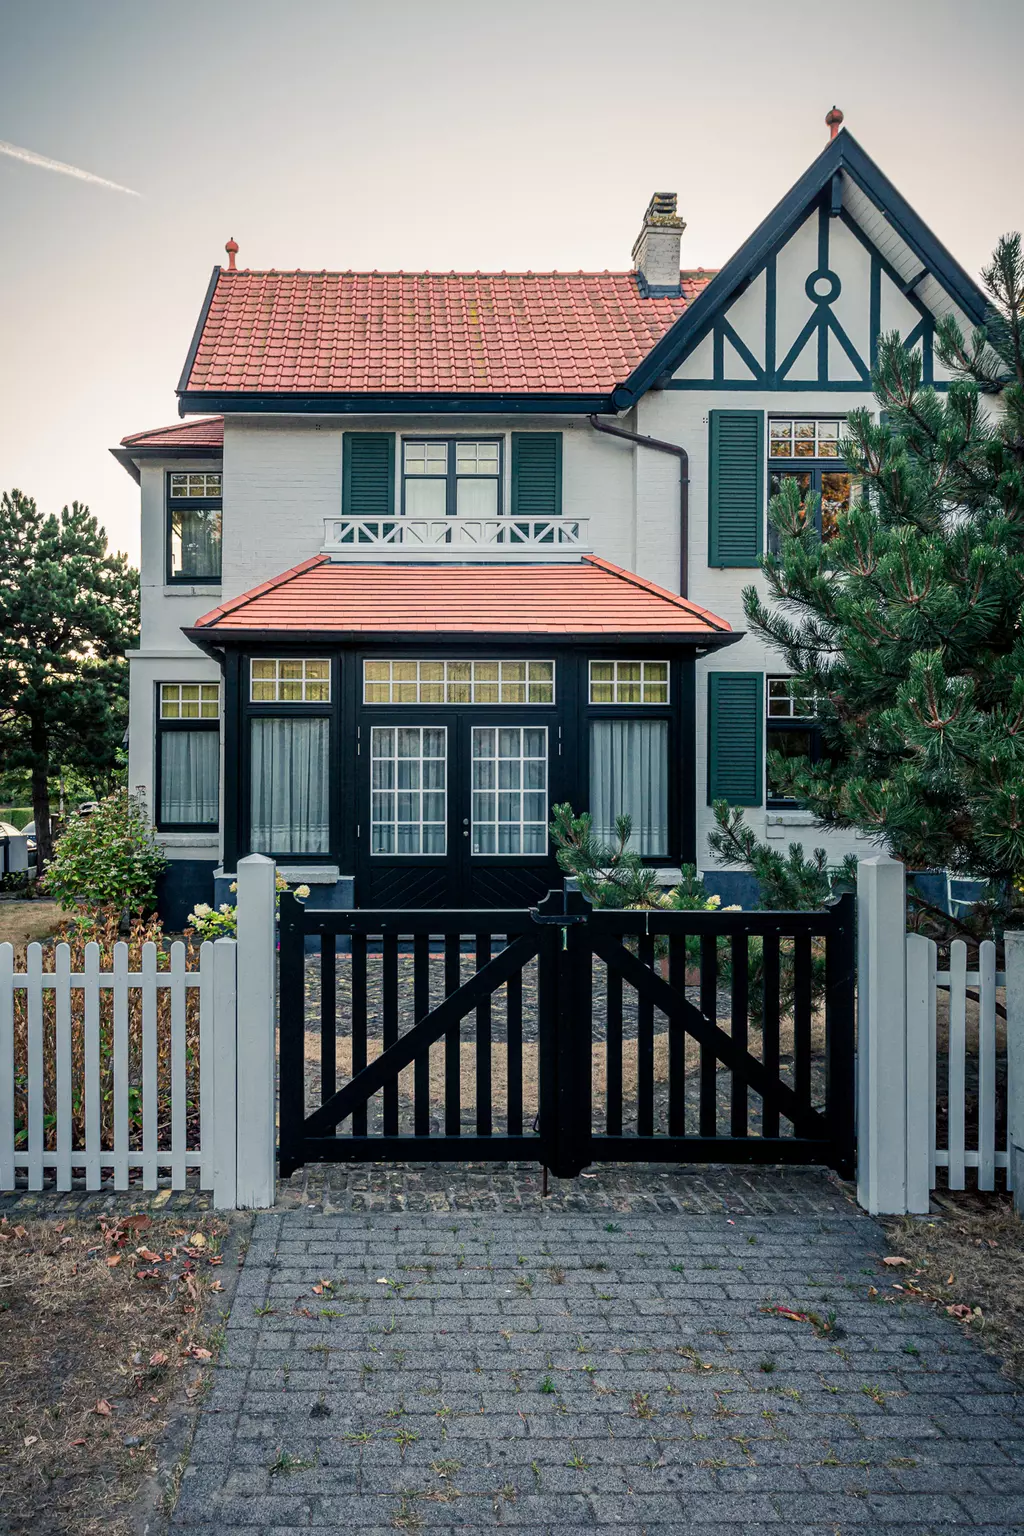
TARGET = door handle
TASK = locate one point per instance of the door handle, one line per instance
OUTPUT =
(465, 821)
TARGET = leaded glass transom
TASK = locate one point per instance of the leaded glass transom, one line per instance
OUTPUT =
(629, 682)
(287, 680)
(458, 682)
(189, 701)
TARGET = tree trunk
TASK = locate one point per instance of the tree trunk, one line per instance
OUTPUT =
(41, 797)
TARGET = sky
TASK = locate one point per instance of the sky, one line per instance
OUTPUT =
(438, 134)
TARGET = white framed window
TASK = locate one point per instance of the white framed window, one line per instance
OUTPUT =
(458, 682)
(283, 680)
(189, 701)
(786, 700)
(510, 789)
(442, 477)
(408, 789)
(804, 437)
(629, 682)
(195, 485)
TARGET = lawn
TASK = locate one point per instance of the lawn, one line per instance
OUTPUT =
(23, 921)
(107, 1330)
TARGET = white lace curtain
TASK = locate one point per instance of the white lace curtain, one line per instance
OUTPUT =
(190, 778)
(290, 786)
(629, 777)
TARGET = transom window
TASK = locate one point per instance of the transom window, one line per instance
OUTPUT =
(189, 701)
(510, 782)
(408, 789)
(788, 700)
(442, 477)
(194, 524)
(459, 682)
(195, 485)
(808, 437)
(283, 680)
(629, 682)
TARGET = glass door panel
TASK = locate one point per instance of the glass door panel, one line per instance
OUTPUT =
(509, 768)
(408, 789)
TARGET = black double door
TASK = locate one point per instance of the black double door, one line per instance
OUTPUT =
(454, 806)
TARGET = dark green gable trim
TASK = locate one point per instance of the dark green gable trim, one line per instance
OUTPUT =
(536, 474)
(736, 488)
(368, 474)
(736, 737)
(842, 154)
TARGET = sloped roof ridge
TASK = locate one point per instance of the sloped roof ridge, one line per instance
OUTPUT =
(138, 439)
(652, 586)
(233, 604)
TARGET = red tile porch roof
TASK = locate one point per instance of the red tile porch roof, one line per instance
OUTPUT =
(592, 598)
(427, 332)
(208, 433)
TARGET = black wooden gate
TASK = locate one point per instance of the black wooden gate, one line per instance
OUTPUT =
(564, 1036)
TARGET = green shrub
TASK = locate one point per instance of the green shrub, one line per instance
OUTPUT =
(108, 859)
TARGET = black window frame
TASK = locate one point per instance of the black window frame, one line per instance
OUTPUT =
(193, 504)
(328, 709)
(780, 725)
(451, 476)
(163, 727)
(669, 712)
(813, 466)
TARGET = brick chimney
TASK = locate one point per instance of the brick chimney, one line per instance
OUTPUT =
(656, 252)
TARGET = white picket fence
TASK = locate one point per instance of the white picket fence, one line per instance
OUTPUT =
(898, 990)
(234, 1082)
(924, 985)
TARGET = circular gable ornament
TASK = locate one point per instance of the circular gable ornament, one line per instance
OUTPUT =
(823, 286)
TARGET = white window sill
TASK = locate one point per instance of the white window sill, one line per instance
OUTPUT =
(181, 590)
(792, 818)
(188, 839)
(299, 874)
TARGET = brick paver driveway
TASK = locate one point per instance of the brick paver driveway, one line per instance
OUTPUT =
(604, 1361)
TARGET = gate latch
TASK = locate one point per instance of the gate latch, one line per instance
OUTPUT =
(560, 919)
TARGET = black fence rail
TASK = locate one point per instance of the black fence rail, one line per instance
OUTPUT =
(566, 1036)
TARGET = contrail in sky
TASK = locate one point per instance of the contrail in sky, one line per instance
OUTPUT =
(31, 158)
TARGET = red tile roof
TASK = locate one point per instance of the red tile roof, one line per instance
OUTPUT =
(429, 332)
(208, 433)
(592, 598)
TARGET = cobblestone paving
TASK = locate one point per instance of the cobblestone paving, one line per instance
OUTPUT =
(503, 1363)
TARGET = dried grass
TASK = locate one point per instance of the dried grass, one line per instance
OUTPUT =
(79, 1337)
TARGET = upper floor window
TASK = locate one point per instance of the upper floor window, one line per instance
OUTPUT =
(287, 680)
(814, 441)
(194, 525)
(629, 682)
(445, 477)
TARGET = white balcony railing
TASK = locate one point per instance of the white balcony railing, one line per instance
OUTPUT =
(456, 538)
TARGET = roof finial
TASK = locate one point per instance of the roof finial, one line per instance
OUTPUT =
(832, 121)
(232, 250)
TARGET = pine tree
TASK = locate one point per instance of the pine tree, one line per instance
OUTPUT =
(906, 624)
(68, 609)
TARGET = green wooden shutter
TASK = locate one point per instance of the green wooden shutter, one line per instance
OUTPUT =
(736, 737)
(736, 488)
(368, 474)
(536, 474)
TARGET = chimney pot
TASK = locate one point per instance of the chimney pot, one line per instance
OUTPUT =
(833, 120)
(232, 250)
(656, 250)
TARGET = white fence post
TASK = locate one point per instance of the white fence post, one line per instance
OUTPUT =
(921, 967)
(257, 943)
(881, 1036)
(225, 1074)
(1014, 943)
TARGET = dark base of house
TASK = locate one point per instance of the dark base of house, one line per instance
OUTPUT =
(183, 884)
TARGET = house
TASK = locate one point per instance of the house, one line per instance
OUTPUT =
(444, 549)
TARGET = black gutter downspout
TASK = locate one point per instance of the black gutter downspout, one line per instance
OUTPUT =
(684, 487)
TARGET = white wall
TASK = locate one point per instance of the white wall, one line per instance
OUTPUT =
(146, 671)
